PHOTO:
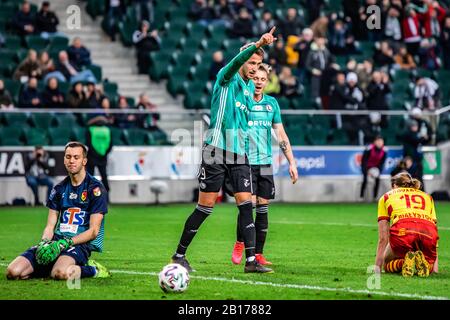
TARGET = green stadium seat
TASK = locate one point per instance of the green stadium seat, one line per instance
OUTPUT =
(13, 42)
(117, 137)
(36, 42)
(317, 135)
(391, 137)
(297, 137)
(217, 32)
(79, 134)
(110, 89)
(15, 119)
(195, 30)
(95, 7)
(339, 137)
(59, 136)
(302, 103)
(67, 120)
(11, 136)
(137, 137)
(97, 71)
(401, 75)
(58, 43)
(323, 121)
(296, 121)
(41, 120)
(196, 100)
(176, 78)
(34, 136)
(159, 60)
(284, 103)
(159, 137)
(443, 133)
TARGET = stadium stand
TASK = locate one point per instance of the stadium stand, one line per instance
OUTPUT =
(188, 42)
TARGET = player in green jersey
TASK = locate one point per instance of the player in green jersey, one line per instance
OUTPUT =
(264, 115)
(224, 151)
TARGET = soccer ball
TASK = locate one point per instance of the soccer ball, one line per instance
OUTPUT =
(174, 278)
(374, 172)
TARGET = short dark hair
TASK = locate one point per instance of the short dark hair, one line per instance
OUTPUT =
(260, 51)
(76, 144)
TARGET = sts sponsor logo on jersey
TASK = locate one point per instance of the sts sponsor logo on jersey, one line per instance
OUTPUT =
(71, 219)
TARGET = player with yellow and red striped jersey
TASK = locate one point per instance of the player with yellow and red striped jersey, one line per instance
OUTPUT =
(407, 229)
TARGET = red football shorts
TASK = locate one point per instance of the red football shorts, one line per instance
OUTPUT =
(412, 235)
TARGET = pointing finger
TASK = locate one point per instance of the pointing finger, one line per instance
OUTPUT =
(272, 30)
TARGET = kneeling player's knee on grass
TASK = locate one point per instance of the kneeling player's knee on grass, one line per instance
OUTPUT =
(13, 273)
(59, 274)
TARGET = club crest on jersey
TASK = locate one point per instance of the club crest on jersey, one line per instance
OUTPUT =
(269, 108)
(83, 196)
(73, 196)
(97, 192)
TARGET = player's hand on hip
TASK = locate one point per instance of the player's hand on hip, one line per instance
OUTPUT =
(267, 38)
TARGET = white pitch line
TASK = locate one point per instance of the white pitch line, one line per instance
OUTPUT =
(339, 224)
(296, 286)
(291, 286)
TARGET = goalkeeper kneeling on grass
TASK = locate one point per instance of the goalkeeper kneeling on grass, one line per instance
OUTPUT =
(75, 227)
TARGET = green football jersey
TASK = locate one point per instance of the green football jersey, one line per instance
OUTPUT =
(231, 99)
(263, 115)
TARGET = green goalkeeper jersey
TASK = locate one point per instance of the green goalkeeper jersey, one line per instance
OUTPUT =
(263, 115)
(231, 99)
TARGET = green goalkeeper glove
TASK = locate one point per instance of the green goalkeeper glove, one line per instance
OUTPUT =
(50, 251)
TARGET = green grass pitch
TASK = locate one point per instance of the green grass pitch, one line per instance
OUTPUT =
(319, 251)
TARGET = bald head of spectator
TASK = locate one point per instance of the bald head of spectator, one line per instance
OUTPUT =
(308, 34)
(63, 57)
(218, 56)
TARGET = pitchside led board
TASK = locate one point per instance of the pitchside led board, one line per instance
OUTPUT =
(182, 162)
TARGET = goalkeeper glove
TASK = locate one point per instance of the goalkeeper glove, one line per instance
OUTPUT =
(50, 251)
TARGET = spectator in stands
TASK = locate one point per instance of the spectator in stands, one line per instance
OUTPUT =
(372, 164)
(327, 81)
(201, 12)
(364, 72)
(340, 42)
(124, 120)
(243, 25)
(426, 93)
(52, 97)
(145, 42)
(93, 96)
(277, 54)
(425, 128)
(413, 140)
(65, 71)
(393, 27)
(28, 67)
(291, 25)
(76, 98)
(103, 113)
(265, 23)
(339, 96)
(224, 13)
(273, 86)
(237, 5)
(404, 60)
(288, 83)
(46, 64)
(6, 101)
(36, 172)
(351, 11)
(377, 91)
(302, 47)
(24, 20)
(429, 55)
(30, 96)
(114, 10)
(316, 62)
(353, 124)
(99, 143)
(384, 55)
(79, 55)
(47, 21)
(445, 43)
(2, 40)
(433, 19)
(217, 63)
(411, 31)
(314, 7)
(144, 10)
(320, 27)
(149, 120)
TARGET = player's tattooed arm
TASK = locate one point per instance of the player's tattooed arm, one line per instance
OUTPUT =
(284, 146)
